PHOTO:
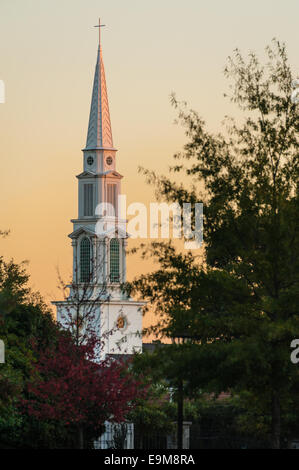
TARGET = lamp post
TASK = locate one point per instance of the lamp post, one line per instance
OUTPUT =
(180, 399)
(180, 414)
(182, 335)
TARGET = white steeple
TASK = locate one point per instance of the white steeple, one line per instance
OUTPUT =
(99, 134)
(99, 256)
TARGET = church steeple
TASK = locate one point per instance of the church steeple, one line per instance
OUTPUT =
(99, 244)
(99, 134)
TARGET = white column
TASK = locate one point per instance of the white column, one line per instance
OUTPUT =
(75, 261)
(124, 260)
(94, 259)
(107, 261)
(101, 261)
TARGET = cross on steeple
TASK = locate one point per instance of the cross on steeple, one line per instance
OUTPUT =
(100, 26)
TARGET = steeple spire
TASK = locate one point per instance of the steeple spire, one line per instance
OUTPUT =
(99, 134)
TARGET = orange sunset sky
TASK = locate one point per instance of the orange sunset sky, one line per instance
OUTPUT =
(150, 48)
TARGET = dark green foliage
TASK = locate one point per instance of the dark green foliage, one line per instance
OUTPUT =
(225, 424)
(238, 309)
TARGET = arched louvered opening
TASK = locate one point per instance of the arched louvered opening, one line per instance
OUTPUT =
(114, 260)
(85, 260)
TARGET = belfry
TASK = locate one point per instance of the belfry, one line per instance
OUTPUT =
(99, 236)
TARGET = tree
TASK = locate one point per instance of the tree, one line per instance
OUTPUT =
(23, 317)
(240, 306)
(68, 386)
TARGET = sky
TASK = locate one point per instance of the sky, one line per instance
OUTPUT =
(151, 48)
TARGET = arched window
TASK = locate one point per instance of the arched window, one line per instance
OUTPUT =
(114, 260)
(85, 253)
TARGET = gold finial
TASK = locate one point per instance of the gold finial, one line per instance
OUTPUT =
(99, 26)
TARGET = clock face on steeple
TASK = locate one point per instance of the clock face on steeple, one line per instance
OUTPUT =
(109, 161)
(90, 160)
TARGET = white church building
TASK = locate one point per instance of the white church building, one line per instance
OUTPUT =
(99, 236)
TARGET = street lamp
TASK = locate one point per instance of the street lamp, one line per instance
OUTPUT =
(181, 335)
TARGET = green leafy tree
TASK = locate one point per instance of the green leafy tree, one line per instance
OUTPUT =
(238, 310)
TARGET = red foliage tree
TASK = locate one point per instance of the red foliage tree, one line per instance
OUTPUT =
(69, 386)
